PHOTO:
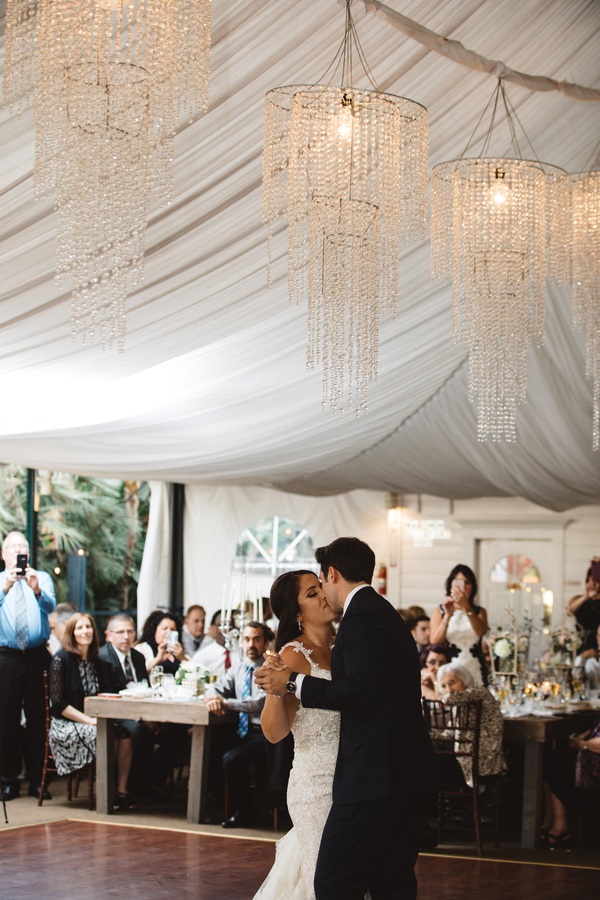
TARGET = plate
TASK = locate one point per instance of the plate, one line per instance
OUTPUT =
(136, 693)
(112, 696)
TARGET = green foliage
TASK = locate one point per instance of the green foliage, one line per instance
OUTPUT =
(105, 518)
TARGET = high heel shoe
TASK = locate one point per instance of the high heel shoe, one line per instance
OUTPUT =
(559, 841)
(544, 832)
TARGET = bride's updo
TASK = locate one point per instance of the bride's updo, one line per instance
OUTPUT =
(284, 603)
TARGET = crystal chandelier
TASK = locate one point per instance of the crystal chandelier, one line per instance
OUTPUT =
(498, 227)
(585, 277)
(109, 79)
(347, 167)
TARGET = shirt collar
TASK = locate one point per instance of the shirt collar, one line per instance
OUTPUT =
(351, 595)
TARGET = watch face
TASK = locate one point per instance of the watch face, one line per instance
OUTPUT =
(291, 687)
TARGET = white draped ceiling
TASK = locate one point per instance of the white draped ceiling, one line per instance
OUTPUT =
(212, 386)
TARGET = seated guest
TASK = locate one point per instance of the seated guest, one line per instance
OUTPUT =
(416, 611)
(591, 664)
(419, 628)
(127, 665)
(193, 635)
(76, 673)
(432, 658)
(571, 785)
(455, 685)
(155, 644)
(57, 620)
(237, 692)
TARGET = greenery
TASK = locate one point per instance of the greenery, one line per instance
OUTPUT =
(107, 519)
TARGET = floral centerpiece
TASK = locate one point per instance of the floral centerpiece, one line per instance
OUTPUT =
(563, 647)
(508, 652)
(191, 671)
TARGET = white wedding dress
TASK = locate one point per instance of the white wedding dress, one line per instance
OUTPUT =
(316, 738)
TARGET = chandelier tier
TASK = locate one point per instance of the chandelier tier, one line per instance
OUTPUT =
(499, 227)
(347, 167)
(585, 277)
(110, 80)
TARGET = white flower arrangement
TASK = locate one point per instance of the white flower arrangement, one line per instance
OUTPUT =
(503, 648)
(191, 669)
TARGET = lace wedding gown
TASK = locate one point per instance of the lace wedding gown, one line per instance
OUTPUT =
(316, 738)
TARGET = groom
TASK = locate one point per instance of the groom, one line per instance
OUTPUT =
(385, 767)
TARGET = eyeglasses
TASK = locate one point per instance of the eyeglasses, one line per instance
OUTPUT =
(122, 633)
(17, 547)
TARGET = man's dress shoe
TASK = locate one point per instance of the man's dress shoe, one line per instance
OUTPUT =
(10, 792)
(34, 791)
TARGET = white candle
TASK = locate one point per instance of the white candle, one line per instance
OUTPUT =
(260, 609)
(223, 604)
(231, 603)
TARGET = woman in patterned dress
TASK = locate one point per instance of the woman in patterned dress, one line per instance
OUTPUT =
(76, 673)
(460, 624)
(304, 641)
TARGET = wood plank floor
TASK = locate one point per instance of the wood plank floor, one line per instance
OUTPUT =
(82, 859)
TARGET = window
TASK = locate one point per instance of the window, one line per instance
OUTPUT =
(515, 570)
(272, 546)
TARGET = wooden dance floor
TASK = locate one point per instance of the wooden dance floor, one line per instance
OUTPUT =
(82, 859)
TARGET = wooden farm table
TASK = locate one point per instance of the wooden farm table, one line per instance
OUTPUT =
(534, 732)
(190, 712)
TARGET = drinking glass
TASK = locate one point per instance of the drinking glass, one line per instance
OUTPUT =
(156, 676)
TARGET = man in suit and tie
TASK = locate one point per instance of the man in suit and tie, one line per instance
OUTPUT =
(128, 665)
(385, 766)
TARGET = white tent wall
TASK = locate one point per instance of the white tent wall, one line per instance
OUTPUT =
(215, 517)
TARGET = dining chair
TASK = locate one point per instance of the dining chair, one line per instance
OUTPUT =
(49, 766)
(455, 732)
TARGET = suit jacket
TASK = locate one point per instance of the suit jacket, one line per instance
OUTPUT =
(384, 744)
(109, 655)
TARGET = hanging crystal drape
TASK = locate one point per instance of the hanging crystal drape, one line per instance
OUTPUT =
(348, 168)
(498, 228)
(110, 79)
(585, 278)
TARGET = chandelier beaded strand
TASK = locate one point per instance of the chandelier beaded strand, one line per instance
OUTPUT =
(110, 80)
(347, 167)
(585, 277)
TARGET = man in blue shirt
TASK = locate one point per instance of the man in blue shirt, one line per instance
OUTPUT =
(26, 599)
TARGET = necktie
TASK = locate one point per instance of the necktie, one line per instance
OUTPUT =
(227, 659)
(196, 645)
(21, 635)
(244, 719)
(128, 670)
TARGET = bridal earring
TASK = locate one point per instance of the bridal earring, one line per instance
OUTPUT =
(299, 621)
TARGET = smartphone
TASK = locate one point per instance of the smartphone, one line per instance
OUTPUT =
(172, 639)
(596, 572)
(22, 562)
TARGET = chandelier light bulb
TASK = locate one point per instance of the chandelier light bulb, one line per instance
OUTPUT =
(500, 189)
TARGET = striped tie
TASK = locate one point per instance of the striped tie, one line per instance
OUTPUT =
(244, 720)
(21, 631)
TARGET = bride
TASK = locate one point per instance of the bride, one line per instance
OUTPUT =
(304, 640)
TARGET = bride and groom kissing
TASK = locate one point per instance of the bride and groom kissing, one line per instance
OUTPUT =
(363, 767)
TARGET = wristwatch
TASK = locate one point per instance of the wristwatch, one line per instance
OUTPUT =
(291, 684)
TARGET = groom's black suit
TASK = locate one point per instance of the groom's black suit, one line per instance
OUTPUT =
(385, 763)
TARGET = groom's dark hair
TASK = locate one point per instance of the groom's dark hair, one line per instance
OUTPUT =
(354, 560)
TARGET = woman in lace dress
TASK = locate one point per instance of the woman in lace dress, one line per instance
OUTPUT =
(304, 641)
(460, 624)
(76, 673)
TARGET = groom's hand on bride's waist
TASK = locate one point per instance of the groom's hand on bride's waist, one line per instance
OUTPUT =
(272, 681)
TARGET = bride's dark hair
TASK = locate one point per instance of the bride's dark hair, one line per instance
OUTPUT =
(284, 603)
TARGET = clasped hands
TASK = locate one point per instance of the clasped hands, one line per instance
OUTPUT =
(273, 675)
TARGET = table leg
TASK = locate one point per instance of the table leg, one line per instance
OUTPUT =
(198, 774)
(105, 766)
(532, 795)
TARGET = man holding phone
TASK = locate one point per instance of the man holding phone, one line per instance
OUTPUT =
(26, 599)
